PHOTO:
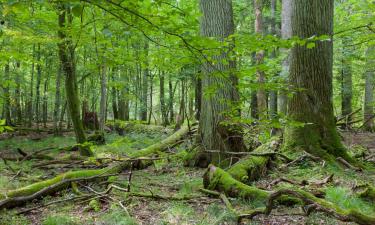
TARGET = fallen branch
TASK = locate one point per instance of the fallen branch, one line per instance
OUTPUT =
(20, 196)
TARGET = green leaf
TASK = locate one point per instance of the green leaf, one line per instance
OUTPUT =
(310, 45)
(77, 10)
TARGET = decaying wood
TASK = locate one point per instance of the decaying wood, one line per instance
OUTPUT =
(19, 196)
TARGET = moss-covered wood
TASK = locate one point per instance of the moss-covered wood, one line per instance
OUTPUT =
(220, 180)
(21, 195)
(252, 167)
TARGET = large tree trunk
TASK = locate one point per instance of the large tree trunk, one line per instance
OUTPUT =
(311, 73)
(369, 91)
(7, 115)
(217, 107)
(66, 54)
(286, 32)
(346, 80)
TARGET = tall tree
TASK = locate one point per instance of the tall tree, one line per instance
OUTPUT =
(259, 56)
(8, 118)
(311, 74)
(369, 101)
(146, 74)
(67, 59)
(286, 32)
(56, 110)
(217, 107)
(346, 79)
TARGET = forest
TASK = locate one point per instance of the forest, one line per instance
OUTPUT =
(187, 112)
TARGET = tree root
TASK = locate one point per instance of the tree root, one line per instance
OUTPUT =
(217, 179)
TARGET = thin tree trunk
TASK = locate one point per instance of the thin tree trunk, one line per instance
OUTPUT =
(286, 33)
(273, 93)
(38, 81)
(18, 93)
(311, 74)
(163, 108)
(261, 77)
(31, 97)
(103, 97)
(346, 80)
(151, 93)
(66, 54)
(45, 102)
(369, 101)
(56, 110)
(198, 97)
(114, 98)
(143, 113)
(7, 114)
(170, 100)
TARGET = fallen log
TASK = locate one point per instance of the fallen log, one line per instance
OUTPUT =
(22, 195)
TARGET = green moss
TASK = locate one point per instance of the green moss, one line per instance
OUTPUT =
(217, 179)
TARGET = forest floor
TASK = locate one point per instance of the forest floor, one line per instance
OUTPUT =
(167, 177)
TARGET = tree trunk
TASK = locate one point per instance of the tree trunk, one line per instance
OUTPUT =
(18, 93)
(311, 73)
(7, 115)
(346, 80)
(151, 93)
(31, 96)
(114, 98)
(143, 113)
(273, 93)
(45, 102)
(369, 91)
(56, 110)
(163, 107)
(170, 102)
(38, 80)
(261, 77)
(103, 96)
(198, 97)
(217, 21)
(286, 33)
(66, 54)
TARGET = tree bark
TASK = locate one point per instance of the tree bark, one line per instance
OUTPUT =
(18, 93)
(273, 93)
(369, 91)
(170, 101)
(311, 73)
(37, 88)
(56, 110)
(261, 77)
(66, 54)
(286, 33)
(7, 114)
(163, 107)
(146, 71)
(103, 96)
(30, 113)
(217, 108)
(114, 97)
(346, 79)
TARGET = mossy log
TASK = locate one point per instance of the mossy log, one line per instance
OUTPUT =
(253, 166)
(22, 195)
(123, 127)
(220, 180)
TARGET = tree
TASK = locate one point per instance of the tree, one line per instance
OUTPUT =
(8, 118)
(286, 32)
(369, 101)
(217, 107)
(346, 79)
(311, 75)
(67, 59)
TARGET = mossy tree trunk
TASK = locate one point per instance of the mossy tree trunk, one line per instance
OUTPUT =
(346, 79)
(369, 91)
(67, 59)
(218, 107)
(311, 74)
